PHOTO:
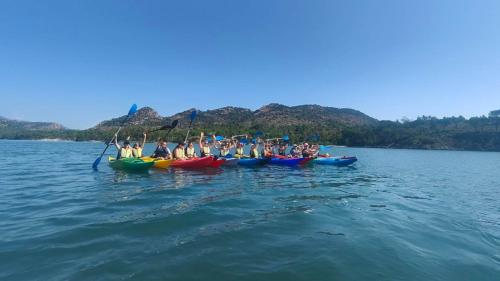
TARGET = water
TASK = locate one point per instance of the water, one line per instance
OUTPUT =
(395, 215)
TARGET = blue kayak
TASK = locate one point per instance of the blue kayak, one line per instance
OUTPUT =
(252, 161)
(335, 161)
(289, 161)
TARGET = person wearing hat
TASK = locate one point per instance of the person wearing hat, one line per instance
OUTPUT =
(124, 151)
(179, 151)
(162, 151)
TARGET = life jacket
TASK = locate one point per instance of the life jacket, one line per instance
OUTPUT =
(137, 152)
(125, 153)
(224, 152)
(240, 151)
(190, 151)
(254, 153)
(205, 151)
(179, 153)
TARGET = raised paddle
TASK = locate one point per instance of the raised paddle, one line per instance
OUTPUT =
(131, 113)
(174, 124)
(165, 127)
(192, 117)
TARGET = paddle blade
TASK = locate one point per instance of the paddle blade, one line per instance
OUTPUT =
(193, 115)
(258, 133)
(96, 163)
(174, 123)
(286, 138)
(244, 141)
(219, 138)
(132, 110)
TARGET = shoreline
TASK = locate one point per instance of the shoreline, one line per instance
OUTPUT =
(331, 146)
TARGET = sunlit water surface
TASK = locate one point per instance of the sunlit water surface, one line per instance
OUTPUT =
(394, 215)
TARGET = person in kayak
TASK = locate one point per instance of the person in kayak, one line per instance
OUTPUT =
(254, 151)
(293, 150)
(204, 146)
(190, 152)
(240, 150)
(162, 151)
(282, 149)
(307, 151)
(179, 152)
(224, 148)
(267, 151)
(137, 148)
(124, 151)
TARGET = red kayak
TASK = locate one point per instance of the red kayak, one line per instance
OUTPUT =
(203, 162)
(216, 163)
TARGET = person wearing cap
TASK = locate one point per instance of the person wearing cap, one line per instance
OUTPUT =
(162, 151)
(124, 151)
(190, 153)
(204, 146)
(137, 148)
(179, 151)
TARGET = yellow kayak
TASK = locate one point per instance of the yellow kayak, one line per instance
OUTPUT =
(159, 163)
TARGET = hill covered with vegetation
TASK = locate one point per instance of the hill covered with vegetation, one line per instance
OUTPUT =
(314, 123)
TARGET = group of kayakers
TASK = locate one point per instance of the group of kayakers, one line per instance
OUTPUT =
(259, 149)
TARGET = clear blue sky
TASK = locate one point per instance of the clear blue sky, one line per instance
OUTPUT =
(79, 62)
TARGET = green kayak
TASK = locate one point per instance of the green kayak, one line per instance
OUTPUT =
(130, 164)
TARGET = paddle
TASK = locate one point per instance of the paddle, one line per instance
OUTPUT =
(192, 117)
(165, 127)
(217, 138)
(174, 124)
(131, 113)
(284, 138)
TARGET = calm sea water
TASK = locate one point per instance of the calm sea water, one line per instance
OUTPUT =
(395, 215)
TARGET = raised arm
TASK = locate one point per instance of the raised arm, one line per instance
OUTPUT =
(143, 140)
(201, 140)
(116, 142)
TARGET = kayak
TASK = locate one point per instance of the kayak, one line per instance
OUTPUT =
(335, 161)
(194, 163)
(130, 164)
(231, 161)
(249, 162)
(159, 163)
(216, 163)
(289, 161)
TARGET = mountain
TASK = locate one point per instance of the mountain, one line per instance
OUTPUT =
(9, 124)
(314, 123)
(272, 115)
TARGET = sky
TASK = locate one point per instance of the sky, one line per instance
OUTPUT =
(81, 62)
